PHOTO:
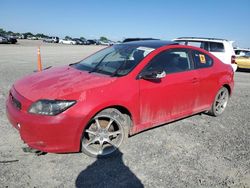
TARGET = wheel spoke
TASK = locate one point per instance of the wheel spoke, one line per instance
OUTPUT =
(111, 143)
(110, 122)
(91, 132)
(218, 101)
(223, 95)
(92, 141)
(100, 146)
(97, 124)
(114, 133)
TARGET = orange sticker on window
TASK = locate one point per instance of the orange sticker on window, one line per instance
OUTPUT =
(202, 58)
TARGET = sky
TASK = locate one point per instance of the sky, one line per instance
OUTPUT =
(119, 19)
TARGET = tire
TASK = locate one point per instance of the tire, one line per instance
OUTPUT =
(105, 133)
(220, 102)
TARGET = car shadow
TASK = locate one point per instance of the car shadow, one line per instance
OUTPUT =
(108, 172)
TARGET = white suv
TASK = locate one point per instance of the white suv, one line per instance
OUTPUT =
(221, 48)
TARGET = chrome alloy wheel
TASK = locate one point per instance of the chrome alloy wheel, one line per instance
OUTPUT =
(221, 101)
(103, 136)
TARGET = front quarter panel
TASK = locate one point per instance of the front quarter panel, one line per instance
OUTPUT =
(122, 92)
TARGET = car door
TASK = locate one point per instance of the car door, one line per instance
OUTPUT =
(207, 79)
(173, 96)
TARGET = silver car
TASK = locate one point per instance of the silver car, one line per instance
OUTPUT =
(3, 40)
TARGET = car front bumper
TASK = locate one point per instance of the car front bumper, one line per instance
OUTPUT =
(57, 134)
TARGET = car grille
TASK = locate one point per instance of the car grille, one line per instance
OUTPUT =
(15, 102)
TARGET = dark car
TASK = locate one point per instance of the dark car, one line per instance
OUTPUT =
(96, 42)
(78, 41)
(10, 39)
(85, 42)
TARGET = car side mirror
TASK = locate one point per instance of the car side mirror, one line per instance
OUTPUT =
(152, 75)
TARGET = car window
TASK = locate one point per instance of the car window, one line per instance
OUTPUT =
(195, 44)
(201, 60)
(237, 52)
(216, 47)
(170, 61)
(199, 44)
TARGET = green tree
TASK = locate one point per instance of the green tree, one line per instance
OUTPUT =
(68, 37)
(10, 33)
(41, 35)
(28, 34)
(2, 31)
(103, 39)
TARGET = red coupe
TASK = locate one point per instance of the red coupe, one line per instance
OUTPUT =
(93, 105)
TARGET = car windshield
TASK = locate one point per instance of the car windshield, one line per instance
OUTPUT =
(117, 60)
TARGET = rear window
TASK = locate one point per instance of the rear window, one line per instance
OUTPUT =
(216, 47)
(202, 60)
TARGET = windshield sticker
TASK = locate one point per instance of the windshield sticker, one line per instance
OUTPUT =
(146, 50)
(202, 58)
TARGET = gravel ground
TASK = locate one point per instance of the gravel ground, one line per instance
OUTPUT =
(198, 151)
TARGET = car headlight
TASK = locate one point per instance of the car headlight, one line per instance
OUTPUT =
(50, 107)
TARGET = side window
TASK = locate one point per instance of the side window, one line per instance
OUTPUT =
(195, 44)
(216, 47)
(202, 60)
(170, 61)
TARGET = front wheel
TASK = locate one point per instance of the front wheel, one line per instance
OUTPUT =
(220, 102)
(104, 134)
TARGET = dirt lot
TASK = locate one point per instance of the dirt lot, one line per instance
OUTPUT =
(199, 151)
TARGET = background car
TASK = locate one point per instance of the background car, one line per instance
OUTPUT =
(106, 43)
(3, 40)
(92, 41)
(10, 39)
(241, 51)
(93, 105)
(67, 41)
(32, 38)
(78, 41)
(243, 61)
(84, 41)
(221, 48)
(51, 40)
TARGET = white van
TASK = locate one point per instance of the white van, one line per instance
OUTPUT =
(221, 48)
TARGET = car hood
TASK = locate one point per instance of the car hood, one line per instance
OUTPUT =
(60, 83)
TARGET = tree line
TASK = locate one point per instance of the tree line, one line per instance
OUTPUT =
(38, 35)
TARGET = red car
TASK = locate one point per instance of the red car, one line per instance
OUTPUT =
(92, 105)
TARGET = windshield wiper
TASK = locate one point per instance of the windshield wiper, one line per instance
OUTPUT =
(97, 65)
(119, 68)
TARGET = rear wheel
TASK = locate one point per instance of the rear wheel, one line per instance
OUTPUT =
(105, 133)
(220, 102)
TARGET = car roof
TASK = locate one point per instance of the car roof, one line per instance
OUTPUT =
(242, 49)
(137, 39)
(200, 39)
(150, 43)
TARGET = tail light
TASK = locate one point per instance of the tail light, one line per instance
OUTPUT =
(233, 58)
